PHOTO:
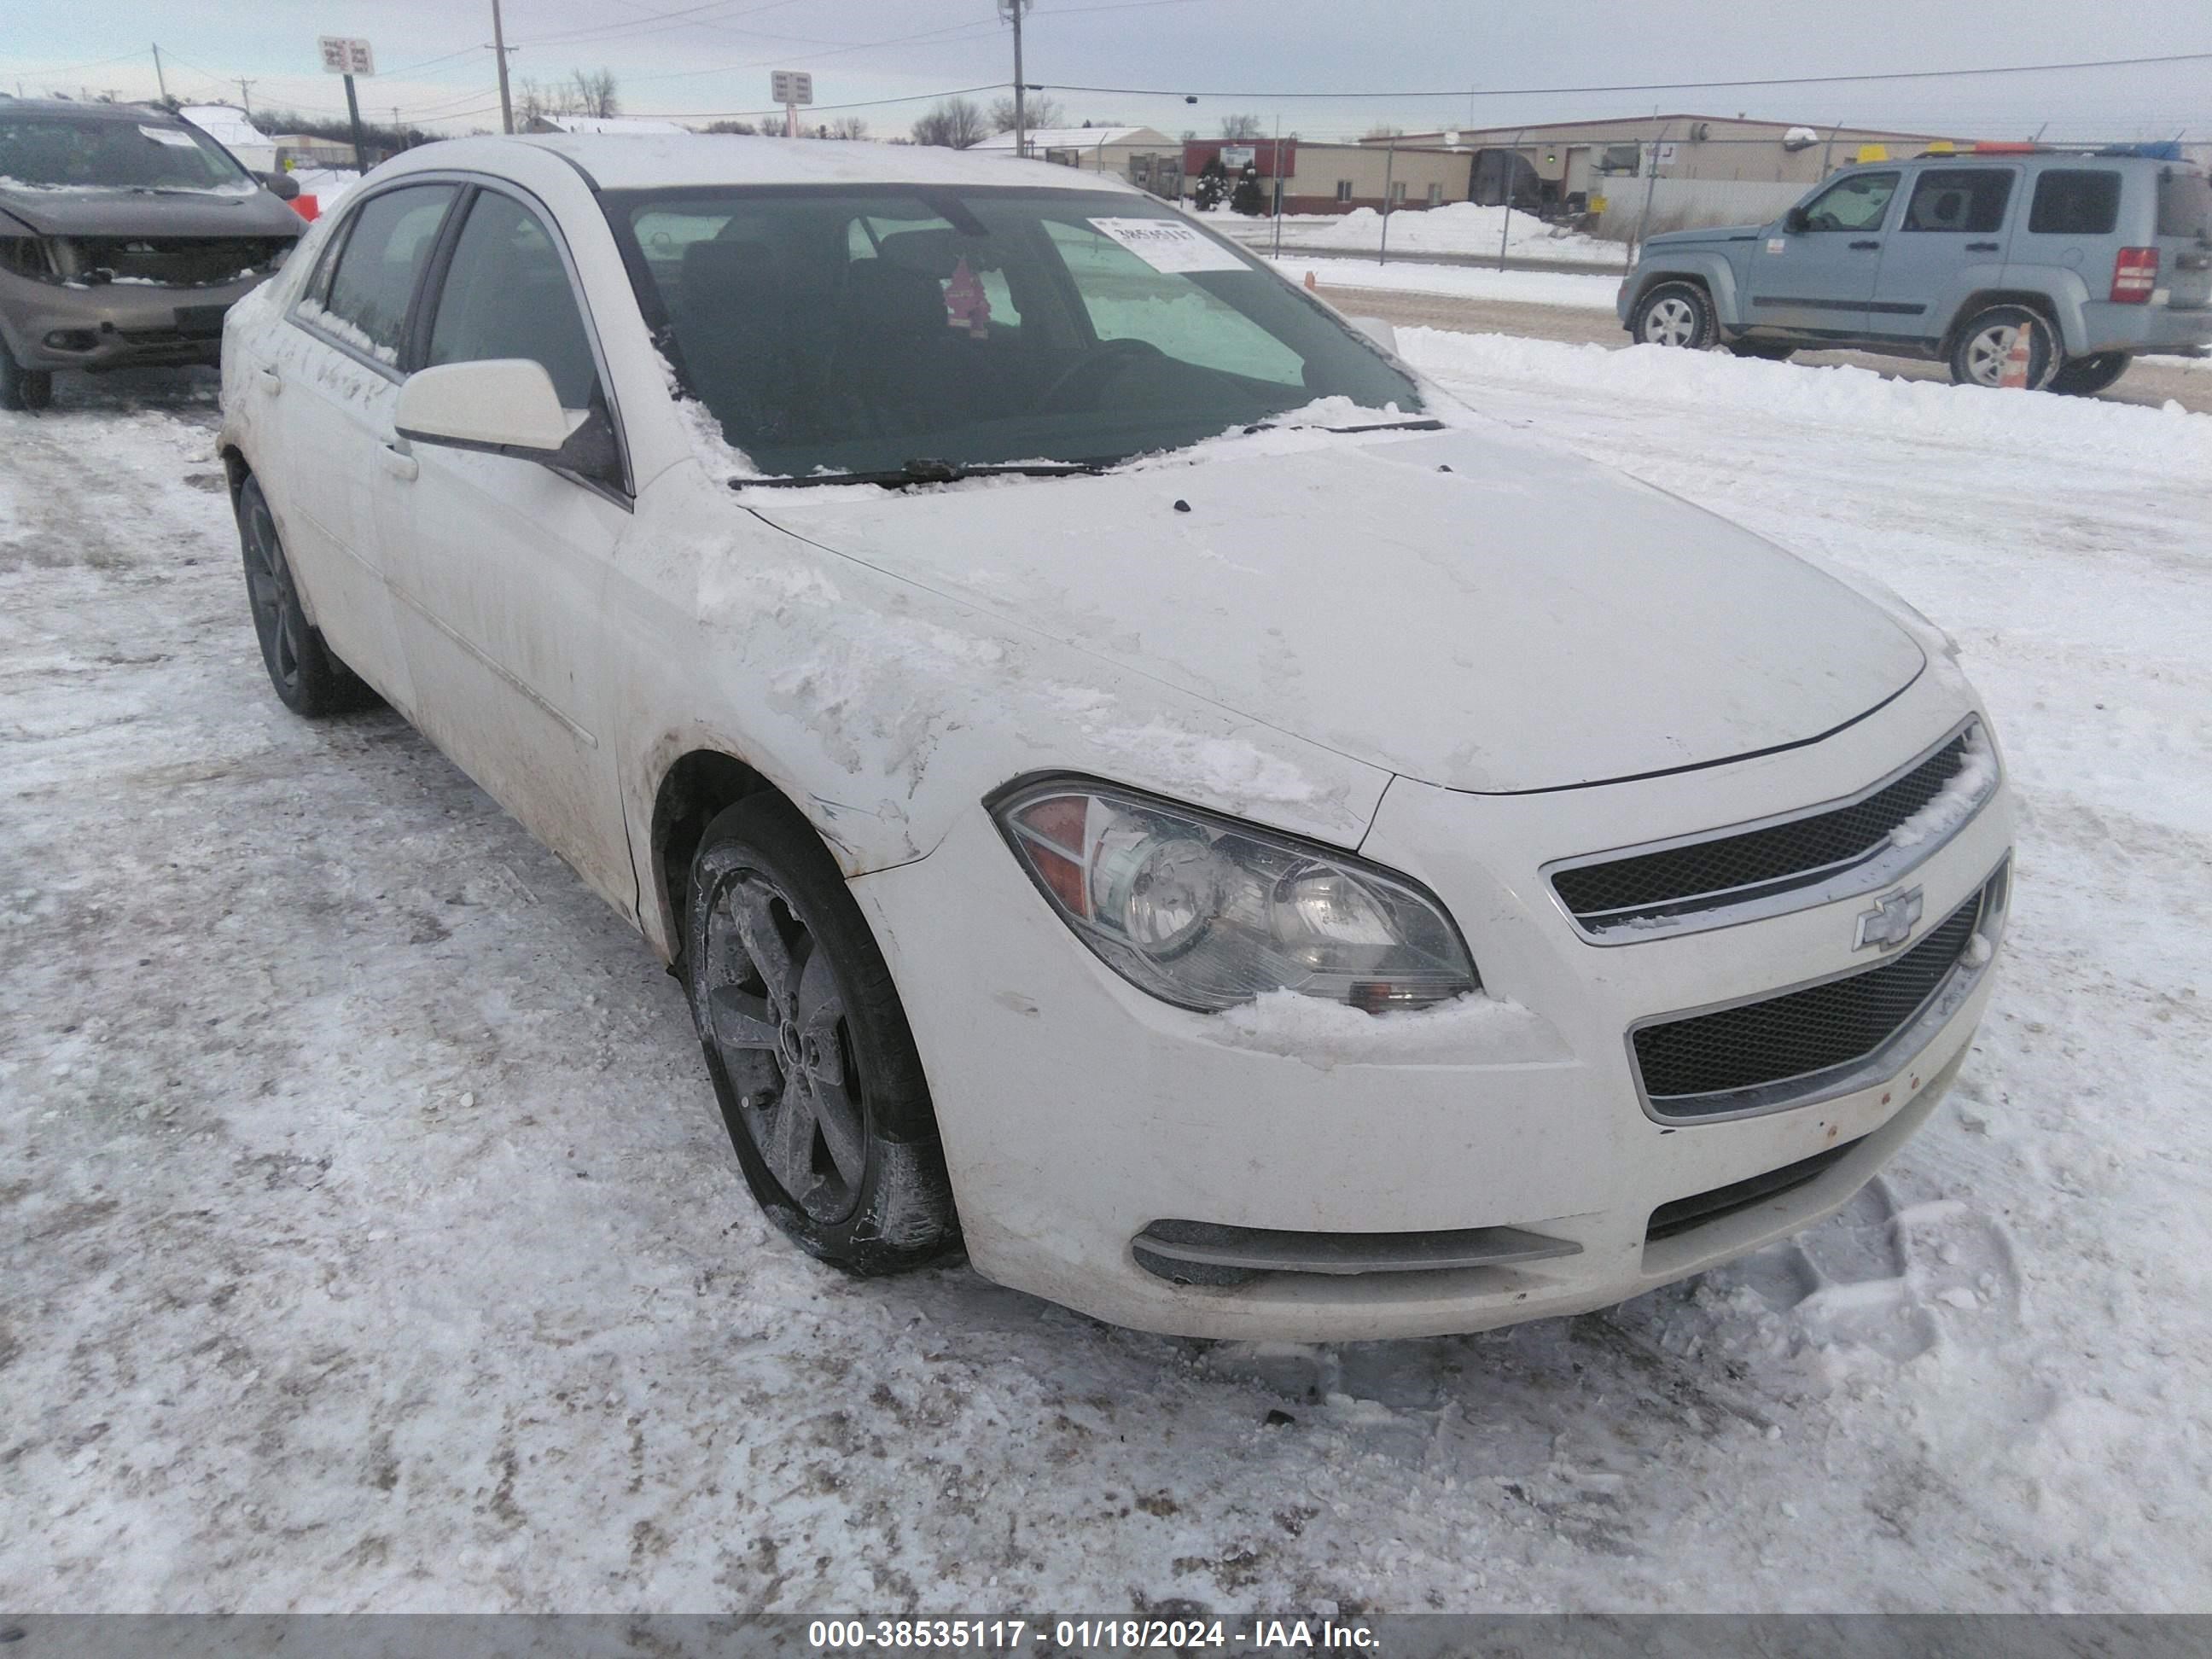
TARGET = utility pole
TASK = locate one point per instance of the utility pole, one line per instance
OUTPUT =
(160, 79)
(353, 114)
(499, 51)
(1512, 178)
(1012, 9)
(1389, 166)
(246, 94)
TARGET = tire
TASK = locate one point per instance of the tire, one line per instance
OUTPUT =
(309, 678)
(1765, 351)
(1978, 357)
(812, 1058)
(1674, 314)
(22, 388)
(2081, 377)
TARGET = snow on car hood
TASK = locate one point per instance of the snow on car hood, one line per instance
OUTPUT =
(1465, 609)
(82, 210)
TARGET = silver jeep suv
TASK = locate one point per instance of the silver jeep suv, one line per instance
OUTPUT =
(2097, 257)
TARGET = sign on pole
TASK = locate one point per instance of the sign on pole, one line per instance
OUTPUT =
(791, 86)
(345, 55)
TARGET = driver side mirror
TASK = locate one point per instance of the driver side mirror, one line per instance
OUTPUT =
(502, 405)
(282, 185)
(1794, 220)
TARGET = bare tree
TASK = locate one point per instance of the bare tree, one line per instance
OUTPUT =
(593, 93)
(744, 128)
(1241, 126)
(1381, 130)
(1036, 112)
(956, 123)
(849, 127)
(534, 102)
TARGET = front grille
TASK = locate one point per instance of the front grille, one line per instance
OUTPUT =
(1728, 868)
(1681, 1214)
(179, 261)
(1699, 1065)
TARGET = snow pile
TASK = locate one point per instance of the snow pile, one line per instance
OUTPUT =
(1454, 227)
(1844, 395)
(1569, 288)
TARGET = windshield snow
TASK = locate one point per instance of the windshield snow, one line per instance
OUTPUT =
(86, 152)
(863, 328)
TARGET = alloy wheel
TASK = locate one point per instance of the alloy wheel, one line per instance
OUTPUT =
(1670, 322)
(778, 1020)
(269, 587)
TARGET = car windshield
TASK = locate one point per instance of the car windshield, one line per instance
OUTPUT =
(859, 329)
(51, 151)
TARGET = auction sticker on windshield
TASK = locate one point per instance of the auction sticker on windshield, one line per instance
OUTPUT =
(1166, 246)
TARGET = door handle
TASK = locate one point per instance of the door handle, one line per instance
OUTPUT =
(1981, 247)
(399, 463)
(1866, 243)
(269, 381)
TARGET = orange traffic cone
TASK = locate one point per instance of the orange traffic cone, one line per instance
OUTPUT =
(1310, 281)
(2016, 358)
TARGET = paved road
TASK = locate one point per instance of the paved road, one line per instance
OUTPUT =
(2151, 383)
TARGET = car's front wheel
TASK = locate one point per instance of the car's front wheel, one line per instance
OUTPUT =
(1674, 314)
(1985, 345)
(2079, 377)
(1766, 351)
(23, 388)
(309, 678)
(809, 1048)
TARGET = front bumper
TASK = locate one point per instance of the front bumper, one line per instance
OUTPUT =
(1076, 1112)
(114, 324)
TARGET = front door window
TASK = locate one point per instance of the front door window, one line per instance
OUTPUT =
(1859, 203)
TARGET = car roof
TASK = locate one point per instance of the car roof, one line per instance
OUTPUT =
(663, 160)
(88, 110)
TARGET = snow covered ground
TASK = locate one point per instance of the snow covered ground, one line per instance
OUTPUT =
(1454, 227)
(1572, 288)
(371, 1240)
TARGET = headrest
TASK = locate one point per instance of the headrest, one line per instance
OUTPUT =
(711, 266)
(933, 253)
(882, 299)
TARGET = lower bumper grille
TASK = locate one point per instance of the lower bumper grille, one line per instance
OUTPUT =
(1813, 1043)
(1210, 1253)
(1695, 1211)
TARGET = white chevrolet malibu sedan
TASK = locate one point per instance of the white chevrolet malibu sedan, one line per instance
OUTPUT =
(1136, 783)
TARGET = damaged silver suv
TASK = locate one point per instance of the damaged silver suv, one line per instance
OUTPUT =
(125, 234)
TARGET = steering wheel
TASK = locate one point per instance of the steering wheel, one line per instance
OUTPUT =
(1111, 357)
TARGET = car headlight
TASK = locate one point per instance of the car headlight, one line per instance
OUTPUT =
(1206, 912)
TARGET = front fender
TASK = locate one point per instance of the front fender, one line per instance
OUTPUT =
(1670, 264)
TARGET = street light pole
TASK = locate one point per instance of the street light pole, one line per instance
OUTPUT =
(499, 51)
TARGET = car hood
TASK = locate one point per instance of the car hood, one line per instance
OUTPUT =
(80, 212)
(1468, 609)
(1714, 233)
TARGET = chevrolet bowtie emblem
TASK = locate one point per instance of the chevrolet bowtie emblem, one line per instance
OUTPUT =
(1890, 923)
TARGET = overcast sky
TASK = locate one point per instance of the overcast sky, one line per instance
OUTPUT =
(696, 60)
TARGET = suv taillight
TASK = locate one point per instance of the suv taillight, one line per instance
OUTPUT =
(2134, 274)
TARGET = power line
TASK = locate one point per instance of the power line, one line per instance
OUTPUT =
(1659, 86)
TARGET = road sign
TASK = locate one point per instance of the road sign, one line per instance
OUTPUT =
(345, 55)
(791, 86)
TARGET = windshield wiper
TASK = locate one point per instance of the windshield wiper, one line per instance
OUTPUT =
(1420, 424)
(924, 471)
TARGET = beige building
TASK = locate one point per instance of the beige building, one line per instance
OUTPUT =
(1338, 177)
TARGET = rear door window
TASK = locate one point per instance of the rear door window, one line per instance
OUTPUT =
(2076, 201)
(1970, 199)
(373, 281)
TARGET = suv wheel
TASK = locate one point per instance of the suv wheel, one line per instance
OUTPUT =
(2078, 377)
(1767, 351)
(809, 1048)
(1674, 314)
(1979, 358)
(22, 387)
